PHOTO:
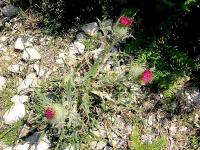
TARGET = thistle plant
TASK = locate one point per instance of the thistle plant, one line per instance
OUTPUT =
(74, 102)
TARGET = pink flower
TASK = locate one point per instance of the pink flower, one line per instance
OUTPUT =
(146, 76)
(49, 113)
(125, 21)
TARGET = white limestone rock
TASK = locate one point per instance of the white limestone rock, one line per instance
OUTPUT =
(41, 144)
(19, 44)
(16, 68)
(28, 83)
(11, 116)
(31, 54)
(17, 111)
(2, 82)
(59, 61)
(39, 70)
(23, 42)
(96, 53)
(19, 99)
(25, 146)
(90, 28)
(76, 48)
(61, 58)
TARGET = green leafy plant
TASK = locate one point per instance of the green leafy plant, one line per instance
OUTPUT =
(173, 67)
(136, 143)
(66, 105)
(10, 134)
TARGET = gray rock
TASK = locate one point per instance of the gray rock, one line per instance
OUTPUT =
(90, 28)
(76, 48)
(34, 142)
(196, 119)
(9, 11)
(108, 23)
(151, 120)
(192, 95)
(2, 3)
(114, 49)
(81, 37)
(11, 116)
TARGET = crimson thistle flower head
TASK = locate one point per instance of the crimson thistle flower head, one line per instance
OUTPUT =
(54, 113)
(49, 113)
(125, 21)
(147, 76)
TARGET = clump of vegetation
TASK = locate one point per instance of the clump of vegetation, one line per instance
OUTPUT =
(66, 106)
(137, 144)
(9, 135)
(108, 77)
(173, 64)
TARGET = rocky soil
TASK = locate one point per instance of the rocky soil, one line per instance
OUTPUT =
(29, 56)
